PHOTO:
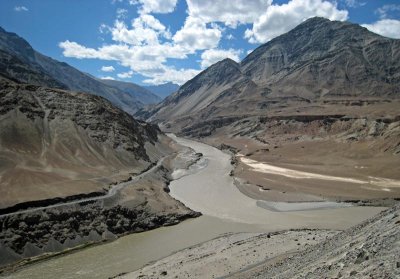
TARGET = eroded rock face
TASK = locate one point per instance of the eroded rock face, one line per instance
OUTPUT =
(54, 230)
(50, 137)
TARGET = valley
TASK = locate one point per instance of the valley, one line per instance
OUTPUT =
(285, 164)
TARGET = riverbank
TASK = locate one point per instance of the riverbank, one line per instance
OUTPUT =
(207, 188)
(140, 204)
(230, 254)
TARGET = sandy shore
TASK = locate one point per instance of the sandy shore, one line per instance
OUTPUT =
(230, 254)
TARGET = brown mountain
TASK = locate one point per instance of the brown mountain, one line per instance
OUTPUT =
(321, 67)
(58, 143)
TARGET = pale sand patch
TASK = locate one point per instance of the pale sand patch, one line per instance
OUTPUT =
(267, 168)
(290, 173)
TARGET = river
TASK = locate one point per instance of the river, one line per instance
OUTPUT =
(211, 191)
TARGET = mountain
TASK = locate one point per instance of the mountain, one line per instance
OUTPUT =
(20, 62)
(139, 93)
(56, 142)
(320, 70)
(163, 90)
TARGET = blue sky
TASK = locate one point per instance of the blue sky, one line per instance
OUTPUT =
(157, 41)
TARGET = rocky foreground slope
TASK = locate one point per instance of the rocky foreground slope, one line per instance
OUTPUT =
(368, 250)
(65, 152)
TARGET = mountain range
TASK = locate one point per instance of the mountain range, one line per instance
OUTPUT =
(20, 62)
(163, 90)
(317, 64)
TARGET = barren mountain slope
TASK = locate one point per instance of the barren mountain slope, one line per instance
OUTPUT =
(54, 73)
(322, 98)
(59, 143)
(140, 93)
(320, 67)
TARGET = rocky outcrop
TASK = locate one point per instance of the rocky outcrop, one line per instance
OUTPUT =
(369, 250)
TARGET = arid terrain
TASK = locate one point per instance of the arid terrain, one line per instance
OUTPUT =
(289, 155)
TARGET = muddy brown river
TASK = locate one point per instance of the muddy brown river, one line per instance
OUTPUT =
(209, 190)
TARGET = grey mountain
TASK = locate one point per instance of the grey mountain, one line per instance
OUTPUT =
(163, 90)
(20, 62)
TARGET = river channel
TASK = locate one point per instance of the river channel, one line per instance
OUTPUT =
(225, 209)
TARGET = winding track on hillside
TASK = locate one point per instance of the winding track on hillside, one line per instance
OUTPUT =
(111, 192)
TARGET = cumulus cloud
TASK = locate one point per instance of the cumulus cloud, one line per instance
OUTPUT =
(279, 19)
(125, 74)
(108, 69)
(21, 9)
(171, 74)
(230, 12)
(211, 56)
(385, 27)
(155, 6)
(107, 78)
(195, 35)
(146, 29)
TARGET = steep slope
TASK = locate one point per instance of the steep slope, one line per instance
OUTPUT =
(324, 59)
(322, 98)
(369, 250)
(163, 90)
(59, 143)
(205, 89)
(139, 93)
(55, 73)
(315, 68)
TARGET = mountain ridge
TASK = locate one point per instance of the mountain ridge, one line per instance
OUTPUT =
(318, 61)
(58, 74)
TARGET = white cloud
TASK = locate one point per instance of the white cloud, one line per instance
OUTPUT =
(279, 19)
(155, 6)
(385, 27)
(354, 3)
(108, 69)
(146, 29)
(249, 51)
(125, 74)
(196, 36)
(386, 10)
(230, 12)
(211, 56)
(121, 13)
(21, 9)
(172, 75)
(107, 78)
(148, 60)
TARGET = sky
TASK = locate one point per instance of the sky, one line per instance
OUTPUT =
(157, 41)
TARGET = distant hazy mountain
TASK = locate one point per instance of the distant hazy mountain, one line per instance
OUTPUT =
(142, 94)
(163, 90)
(20, 62)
